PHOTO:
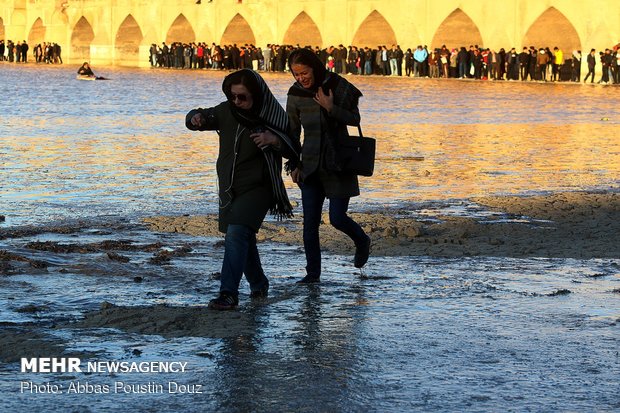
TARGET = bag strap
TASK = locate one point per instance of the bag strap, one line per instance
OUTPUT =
(359, 128)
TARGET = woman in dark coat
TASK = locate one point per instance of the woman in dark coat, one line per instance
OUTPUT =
(252, 129)
(323, 103)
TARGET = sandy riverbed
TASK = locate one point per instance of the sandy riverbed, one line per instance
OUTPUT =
(563, 225)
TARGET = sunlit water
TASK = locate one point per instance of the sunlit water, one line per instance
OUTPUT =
(414, 334)
(120, 147)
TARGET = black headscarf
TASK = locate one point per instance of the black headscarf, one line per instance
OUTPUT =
(345, 94)
(266, 113)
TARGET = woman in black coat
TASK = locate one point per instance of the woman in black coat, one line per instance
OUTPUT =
(252, 129)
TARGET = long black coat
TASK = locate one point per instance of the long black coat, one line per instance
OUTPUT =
(245, 188)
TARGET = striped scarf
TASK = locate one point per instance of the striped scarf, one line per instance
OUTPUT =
(273, 117)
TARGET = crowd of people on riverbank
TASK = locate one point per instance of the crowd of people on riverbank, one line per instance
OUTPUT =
(532, 63)
(42, 53)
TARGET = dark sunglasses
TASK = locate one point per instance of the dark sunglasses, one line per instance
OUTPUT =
(242, 97)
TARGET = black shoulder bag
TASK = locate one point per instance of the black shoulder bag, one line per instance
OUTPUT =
(357, 154)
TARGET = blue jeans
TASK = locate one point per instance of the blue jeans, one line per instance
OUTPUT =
(313, 196)
(394, 67)
(463, 69)
(241, 256)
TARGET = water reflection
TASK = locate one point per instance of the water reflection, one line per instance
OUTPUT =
(120, 147)
(313, 362)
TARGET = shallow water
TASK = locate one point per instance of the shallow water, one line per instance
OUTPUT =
(120, 147)
(412, 334)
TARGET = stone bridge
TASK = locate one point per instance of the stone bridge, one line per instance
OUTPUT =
(120, 32)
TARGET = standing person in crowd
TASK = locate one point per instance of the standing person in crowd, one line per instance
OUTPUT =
(353, 59)
(25, 49)
(478, 62)
(558, 61)
(512, 65)
(502, 63)
(524, 63)
(617, 61)
(551, 57)
(425, 69)
(385, 63)
(399, 60)
(253, 136)
(453, 71)
(153, 55)
(267, 58)
(18, 52)
(393, 57)
(408, 62)
(165, 53)
(11, 51)
(323, 104)
(463, 62)
(493, 59)
(433, 59)
(576, 66)
(368, 59)
(543, 60)
(606, 62)
(57, 51)
(444, 62)
(470, 62)
(485, 63)
(419, 57)
(533, 64)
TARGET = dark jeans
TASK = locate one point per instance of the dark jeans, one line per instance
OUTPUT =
(313, 196)
(462, 69)
(241, 256)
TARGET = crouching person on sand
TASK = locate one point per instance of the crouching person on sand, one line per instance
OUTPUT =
(253, 138)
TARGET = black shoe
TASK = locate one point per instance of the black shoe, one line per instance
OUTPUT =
(361, 254)
(224, 302)
(262, 293)
(309, 279)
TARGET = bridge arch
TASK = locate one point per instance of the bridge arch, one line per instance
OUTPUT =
(238, 31)
(458, 29)
(181, 30)
(81, 38)
(37, 33)
(127, 42)
(552, 29)
(374, 31)
(303, 31)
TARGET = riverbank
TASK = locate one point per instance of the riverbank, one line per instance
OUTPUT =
(580, 225)
(563, 225)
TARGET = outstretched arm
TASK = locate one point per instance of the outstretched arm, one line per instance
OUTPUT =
(201, 119)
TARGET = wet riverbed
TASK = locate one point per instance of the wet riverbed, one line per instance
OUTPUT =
(412, 333)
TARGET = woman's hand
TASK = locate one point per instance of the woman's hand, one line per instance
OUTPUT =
(297, 176)
(265, 139)
(326, 101)
(197, 120)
